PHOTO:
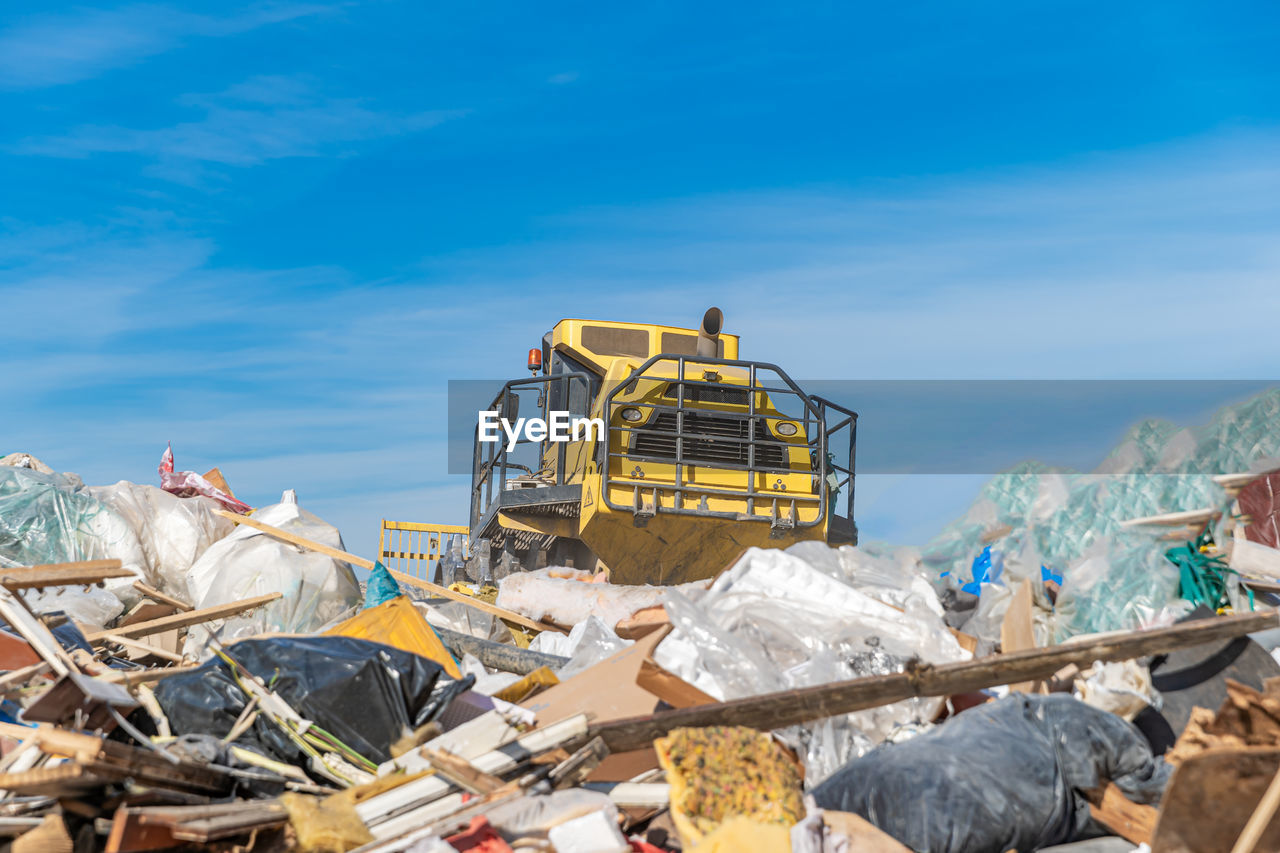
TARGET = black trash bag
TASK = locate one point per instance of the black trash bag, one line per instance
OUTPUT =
(366, 694)
(1005, 775)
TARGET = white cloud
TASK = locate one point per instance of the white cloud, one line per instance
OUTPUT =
(56, 49)
(261, 119)
(1148, 264)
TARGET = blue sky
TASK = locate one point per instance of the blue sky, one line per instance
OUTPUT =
(269, 233)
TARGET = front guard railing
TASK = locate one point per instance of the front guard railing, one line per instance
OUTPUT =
(829, 430)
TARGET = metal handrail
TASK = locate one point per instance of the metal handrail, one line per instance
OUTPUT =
(485, 488)
(817, 432)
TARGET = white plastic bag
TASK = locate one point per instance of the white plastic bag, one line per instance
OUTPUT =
(172, 532)
(249, 563)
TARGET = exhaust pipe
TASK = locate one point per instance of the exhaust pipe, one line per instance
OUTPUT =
(709, 333)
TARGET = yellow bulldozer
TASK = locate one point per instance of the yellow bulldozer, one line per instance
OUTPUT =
(686, 455)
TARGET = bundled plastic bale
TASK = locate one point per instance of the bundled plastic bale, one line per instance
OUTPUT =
(1001, 776)
(316, 588)
(568, 596)
(1124, 582)
(52, 518)
(1071, 518)
(173, 532)
(775, 622)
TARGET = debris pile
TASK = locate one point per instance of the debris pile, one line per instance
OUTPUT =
(181, 670)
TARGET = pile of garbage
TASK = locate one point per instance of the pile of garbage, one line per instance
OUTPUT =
(183, 670)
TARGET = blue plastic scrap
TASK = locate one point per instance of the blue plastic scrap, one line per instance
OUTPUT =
(381, 587)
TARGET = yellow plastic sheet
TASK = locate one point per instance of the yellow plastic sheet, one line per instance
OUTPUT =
(398, 623)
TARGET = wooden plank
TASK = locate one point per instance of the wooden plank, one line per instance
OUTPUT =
(461, 772)
(793, 707)
(1017, 629)
(185, 620)
(444, 592)
(1211, 797)
(130, 677)
(18, 677)
(1260, 819)
(295, 539)
(491, 609)
(152, 592)
(1131, 821)
(1175, 519)
(144, 647)
(63, 574)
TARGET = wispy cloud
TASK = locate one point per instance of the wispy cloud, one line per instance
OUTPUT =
(1158, 264)
(260, 119)
(52, 50)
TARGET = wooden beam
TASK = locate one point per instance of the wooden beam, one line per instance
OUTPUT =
(185, 620)
(144, 647)
(491, 609)
(63, 574)
(435, 589)
(130, 677)
(152, 592)
(295, 539)
(1196, 517)
(461, 772)
(793, 707)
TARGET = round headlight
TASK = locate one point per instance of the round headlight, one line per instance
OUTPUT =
(631, 415)
(787, 428)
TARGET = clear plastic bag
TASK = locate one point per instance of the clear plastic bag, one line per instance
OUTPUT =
(172, 532)
(588, 643)
(774, 621)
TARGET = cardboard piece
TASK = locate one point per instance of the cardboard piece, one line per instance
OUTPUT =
(1016, 630)
(612, 690)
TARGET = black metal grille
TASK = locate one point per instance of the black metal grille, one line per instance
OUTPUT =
(707, 394)
(657, 440)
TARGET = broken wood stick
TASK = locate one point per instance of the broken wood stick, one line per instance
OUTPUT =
(131, 677)
(184, 620)
(462, 773)
(486, 607)
(1195, 517)
(444, 592)
(18, 677)
(85, 573)
(152, 592)
(129, 642)
(1260, 819)
(792, 707)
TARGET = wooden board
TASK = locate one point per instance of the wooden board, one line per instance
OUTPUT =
(152, 592)
(435, 589)
(185, 620)
(802, 705)
(63, 574)
(1017, 629)
(1210, 798)
(491, 609)
(1132, 821)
